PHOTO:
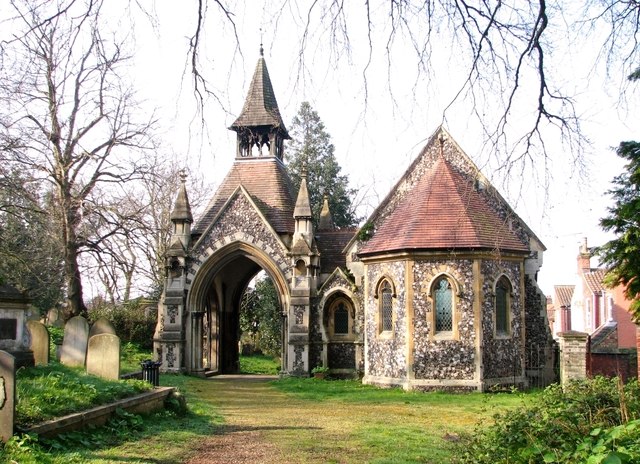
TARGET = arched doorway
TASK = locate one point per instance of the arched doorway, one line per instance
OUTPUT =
(214, 304)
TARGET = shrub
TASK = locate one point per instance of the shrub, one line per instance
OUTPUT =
(591, 421)
(133, 321)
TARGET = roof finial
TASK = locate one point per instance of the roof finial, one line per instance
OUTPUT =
(261, 49)
(183, 175)
(441, 139)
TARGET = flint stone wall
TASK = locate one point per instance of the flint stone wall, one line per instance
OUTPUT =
(386, 356)
(443, 359)
(501, 357)
(239, 221)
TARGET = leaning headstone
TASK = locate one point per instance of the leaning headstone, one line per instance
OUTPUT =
(39, 342)
(74, 345)
(103, 356)
(54, 318)
(7, 394)
(102, 326)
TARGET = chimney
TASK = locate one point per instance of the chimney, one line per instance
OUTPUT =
(584, 257)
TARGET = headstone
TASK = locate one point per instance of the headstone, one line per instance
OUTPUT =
(54, 318)
(39, 342)
(102, 326)
(103, 356)
(7, 394)
(74, 345)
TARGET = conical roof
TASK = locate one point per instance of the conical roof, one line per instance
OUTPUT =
(444, 210)
(326, 220)
(181, 208)
(303, 207)
(260, 107)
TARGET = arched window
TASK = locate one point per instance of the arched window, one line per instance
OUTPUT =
(443, 301)
(385, 295)
(341, 319)
(503, 304)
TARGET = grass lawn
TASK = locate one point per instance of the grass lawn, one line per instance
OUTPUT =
(297, 420)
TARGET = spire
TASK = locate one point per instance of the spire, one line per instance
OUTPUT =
(303, 207)
(181, 208)
(260, 124)
(326, 220)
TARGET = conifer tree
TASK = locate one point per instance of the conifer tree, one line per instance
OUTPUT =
(311, 147)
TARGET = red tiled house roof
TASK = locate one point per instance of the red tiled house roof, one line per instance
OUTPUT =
(443, 203)
(594, 279)
(564, 294)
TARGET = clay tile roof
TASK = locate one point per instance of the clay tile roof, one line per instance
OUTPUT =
(564, 293)
(331, 243)
(594, 279)
(443, 211)
(268, 184)
(260, 107)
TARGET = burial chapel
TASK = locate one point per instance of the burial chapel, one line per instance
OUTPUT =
(436, 290)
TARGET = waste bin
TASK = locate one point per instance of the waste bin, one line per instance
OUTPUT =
(151, 372)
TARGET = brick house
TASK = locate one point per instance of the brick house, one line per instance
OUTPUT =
(603, 313)
(436, 290)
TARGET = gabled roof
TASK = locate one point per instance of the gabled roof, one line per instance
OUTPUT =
(331, 243)
(444, 210)
(267, 182)
(594, 279)
(260, 107)
(563, 296)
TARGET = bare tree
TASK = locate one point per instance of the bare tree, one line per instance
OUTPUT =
(68, 117)
(131, 260)
(508, 48)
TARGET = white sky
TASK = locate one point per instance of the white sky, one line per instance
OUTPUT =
(376, 141)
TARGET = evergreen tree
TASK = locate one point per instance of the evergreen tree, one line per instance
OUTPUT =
(311, 147)
(622, 255)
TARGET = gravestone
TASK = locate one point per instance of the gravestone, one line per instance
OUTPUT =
(102, 326)
(54, 318)
(74, 345)
(14, 336)
(7, 394)
(39, 342)
(103, 356)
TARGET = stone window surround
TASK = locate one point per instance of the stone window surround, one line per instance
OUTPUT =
(385, 334)
(455, 310)
(509, 306)
(349, 336)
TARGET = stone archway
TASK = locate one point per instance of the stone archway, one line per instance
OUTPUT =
(213, 303)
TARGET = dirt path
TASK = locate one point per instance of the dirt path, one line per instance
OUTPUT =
(251, 409)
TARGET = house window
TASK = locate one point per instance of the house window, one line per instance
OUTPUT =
(386, 307)
(503, 296)
(341, 320)
(443, 301)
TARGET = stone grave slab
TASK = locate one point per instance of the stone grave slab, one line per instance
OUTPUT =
(74, 345)
(39, 342)
(102, 326)
(103, 356)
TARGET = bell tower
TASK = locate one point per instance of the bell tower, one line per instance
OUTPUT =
(261, 131)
